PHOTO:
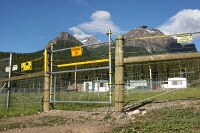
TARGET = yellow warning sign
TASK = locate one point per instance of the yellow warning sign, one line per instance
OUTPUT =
(26, 66)
(76, 51)
(184, 38)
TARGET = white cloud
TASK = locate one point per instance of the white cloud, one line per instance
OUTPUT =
(100, 15)
(100, 23)
(79, 34)
(185, 21)
(80, 3)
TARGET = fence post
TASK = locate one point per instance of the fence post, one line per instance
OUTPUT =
(8, 90)
(150, 78)
(46, 103)
(119, 74)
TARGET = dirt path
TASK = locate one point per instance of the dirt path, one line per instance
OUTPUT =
(60, 121)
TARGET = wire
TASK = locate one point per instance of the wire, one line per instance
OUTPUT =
(162, 36)
(4, 59)
(153, 53)
(166, 50)
(37, 59)
(3, 86)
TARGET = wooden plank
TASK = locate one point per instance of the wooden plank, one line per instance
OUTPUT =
(163, 57)
(21, 77)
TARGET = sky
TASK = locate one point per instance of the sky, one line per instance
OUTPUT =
(28, 25)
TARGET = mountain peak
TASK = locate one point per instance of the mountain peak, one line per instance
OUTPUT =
(63, 37)
(90, 40)
(143, 31)
(67, 36)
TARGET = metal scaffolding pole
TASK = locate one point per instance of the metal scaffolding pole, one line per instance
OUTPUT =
(51, 70)
(110, 66)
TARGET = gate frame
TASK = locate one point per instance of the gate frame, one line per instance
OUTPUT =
(51, 73)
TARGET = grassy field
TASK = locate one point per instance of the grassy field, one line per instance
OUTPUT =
(31, 103)
(168, 119)
(26, 104)
(173, 95)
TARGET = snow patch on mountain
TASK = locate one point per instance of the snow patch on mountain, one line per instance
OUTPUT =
(90, 40)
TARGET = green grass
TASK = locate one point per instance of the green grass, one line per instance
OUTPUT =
(177, 94)
(165, 120)
(81, 96)
(22, 104)
(20, 111)
(31, 103)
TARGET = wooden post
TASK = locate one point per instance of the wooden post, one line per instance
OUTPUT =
(119, 74)
(46, 99)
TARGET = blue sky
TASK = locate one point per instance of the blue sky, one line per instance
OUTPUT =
(28, 25)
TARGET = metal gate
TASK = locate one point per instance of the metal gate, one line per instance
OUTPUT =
(81, 74)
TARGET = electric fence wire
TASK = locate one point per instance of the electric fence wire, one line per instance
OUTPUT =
(165, 50)
(162, 36)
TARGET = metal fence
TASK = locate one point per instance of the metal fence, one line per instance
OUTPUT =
(4, 73)
(154, 63)
(154, 75)
(25, 95)
(21, 89)
(4, 67)
(175, 62)
(84, 78)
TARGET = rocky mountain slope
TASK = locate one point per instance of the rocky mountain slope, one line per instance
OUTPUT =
(64, 36)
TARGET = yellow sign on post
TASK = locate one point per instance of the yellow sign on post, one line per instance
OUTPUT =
(26, 66)
(184, 38)
(76, 51)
